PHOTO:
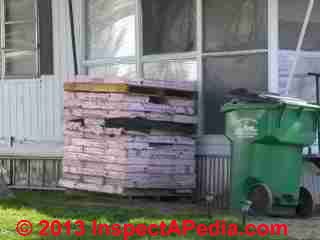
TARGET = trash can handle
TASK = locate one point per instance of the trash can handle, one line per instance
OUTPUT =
(283, 111)
(281, 115)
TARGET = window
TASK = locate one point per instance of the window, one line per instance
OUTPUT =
(120, 70)
(292, 14)
(26, 39)
(294, 65)
(223, 74)
(236, 47)
(168, 26)
(291, 18)
(162, 40)
(311, 40)
(111, 28)
(171, 70)
(235, 25)
(110, 38)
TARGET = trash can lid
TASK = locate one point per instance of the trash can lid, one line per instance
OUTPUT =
(244, 99)
(290, 101)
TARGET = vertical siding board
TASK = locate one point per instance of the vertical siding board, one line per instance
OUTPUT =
(2, 110)
(39, 109)
(13, 112)
(6, 112)
(12, 109)
(29, 111)
(19, 125)
(54, 103)
(38, 112)
(27, 115)
(46, 98)
(45, 101)
(54, 110)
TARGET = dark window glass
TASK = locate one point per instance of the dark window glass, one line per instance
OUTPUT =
(291, 17)
(221, 75)
(235, 25)
(168, 26)
(46, 37)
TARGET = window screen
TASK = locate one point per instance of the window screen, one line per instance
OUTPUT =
(168, 26)
(173, 70)
(291, 17)
(111, 28)
(311, 40)
(221, 75)
(120, 70)
(235, 25)
(303, 86)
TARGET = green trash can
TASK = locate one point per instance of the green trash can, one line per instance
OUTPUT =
(267, 144)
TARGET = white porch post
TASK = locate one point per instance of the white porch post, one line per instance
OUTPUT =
(273, 45)
(300, 42)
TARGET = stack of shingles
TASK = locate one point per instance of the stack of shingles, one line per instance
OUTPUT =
(137, 138)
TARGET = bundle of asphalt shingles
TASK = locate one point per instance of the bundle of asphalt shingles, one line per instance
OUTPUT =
(129, 140)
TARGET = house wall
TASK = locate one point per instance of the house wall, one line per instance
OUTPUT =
(31, 110)
(31, 114)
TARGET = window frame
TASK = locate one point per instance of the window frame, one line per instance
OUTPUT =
(199, 54)
(36, 44)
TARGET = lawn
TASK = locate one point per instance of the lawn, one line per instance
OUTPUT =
(37, 206)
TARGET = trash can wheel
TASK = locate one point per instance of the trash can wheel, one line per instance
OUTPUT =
(306, 204)
(261, 197)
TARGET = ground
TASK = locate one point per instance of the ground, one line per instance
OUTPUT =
(302, 229)
(36, 206)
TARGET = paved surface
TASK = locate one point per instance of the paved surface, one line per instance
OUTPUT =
(302, 229)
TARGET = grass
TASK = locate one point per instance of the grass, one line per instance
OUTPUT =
(37, 206)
